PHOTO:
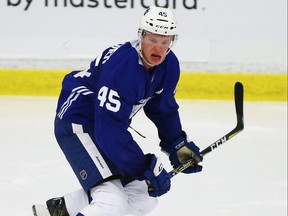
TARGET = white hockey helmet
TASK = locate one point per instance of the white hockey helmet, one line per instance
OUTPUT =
(158, 20)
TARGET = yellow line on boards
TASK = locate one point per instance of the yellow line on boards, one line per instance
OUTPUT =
(31, 82)
(204, 85)
(219, 86)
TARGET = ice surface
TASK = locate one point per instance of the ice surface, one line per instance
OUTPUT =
(246, 176)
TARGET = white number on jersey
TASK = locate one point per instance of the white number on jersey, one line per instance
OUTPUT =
(113, 104)
(82, 74)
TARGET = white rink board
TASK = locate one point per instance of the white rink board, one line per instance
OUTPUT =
(245, 36)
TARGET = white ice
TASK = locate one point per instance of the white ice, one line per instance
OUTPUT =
(245, 176)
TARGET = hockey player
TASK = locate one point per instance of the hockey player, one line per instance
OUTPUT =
(94, 112)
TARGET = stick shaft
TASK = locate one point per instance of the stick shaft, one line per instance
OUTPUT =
(238, 99)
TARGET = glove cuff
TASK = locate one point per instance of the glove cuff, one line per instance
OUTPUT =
(170, 148)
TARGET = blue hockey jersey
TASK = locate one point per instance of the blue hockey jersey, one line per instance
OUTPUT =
(108, 94)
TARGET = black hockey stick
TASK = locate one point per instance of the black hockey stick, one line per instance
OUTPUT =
(238, 98)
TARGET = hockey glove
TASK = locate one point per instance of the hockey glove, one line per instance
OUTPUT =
(156, 177)
(182, 150)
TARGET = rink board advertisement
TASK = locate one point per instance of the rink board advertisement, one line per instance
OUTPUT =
(217, 33)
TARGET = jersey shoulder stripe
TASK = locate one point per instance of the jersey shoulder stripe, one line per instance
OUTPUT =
(73, 97)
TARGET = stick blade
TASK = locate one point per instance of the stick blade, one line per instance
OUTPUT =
(239, 95)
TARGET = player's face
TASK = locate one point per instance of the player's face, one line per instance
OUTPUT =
(154, 47)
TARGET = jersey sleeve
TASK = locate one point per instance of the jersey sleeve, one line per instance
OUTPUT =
(163, 112)
(163, 109)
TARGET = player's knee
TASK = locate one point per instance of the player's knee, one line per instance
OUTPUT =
(143, 205)
(109, 199)
(139, 201)
(117, 206)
